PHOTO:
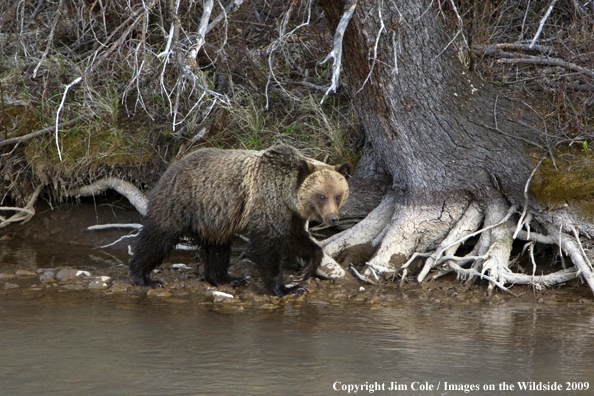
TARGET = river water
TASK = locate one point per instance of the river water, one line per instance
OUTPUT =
(60, 342)
(89, 345)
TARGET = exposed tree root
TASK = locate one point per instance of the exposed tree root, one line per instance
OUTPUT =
(411, 228)
(23, 214)
(424, 232)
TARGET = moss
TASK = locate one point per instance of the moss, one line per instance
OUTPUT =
(572, 183)
(89, 147)
(19, 120)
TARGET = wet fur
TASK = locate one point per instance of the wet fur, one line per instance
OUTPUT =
(211, 195)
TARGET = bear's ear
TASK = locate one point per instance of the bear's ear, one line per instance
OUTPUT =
(344, 169)
(305, 169)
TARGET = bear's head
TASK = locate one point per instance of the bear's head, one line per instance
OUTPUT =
(321, 192)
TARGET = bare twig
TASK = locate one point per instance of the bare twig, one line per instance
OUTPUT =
(534, 60)
(336, 53)
(41, 132)
(191, 58)
(542, 22)
(49, 39)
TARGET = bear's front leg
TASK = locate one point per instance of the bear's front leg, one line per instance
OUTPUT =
(300, 244)
(265, 254)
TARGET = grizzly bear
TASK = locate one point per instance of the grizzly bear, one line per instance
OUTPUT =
(212, 195)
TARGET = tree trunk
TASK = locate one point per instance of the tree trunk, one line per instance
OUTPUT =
(453, 147)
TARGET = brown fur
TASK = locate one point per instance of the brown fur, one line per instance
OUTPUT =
(212, 195)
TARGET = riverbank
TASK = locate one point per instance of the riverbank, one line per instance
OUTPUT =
(55, 253)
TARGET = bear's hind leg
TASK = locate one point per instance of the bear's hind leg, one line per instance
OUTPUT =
(216, 260)
(150, 251)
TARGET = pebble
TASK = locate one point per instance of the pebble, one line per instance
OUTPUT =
(98, 284)
(22, 272)
(119, 286)
(260, 298)
(229, 309)
(46, 279)
(11, 286)
(223, 300)
(7, 276)
(221, 294)
(66, 274)
(158, 292)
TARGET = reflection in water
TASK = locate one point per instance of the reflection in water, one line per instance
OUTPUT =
(92, 347)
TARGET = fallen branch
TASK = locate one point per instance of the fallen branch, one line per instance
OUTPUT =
(535, 60)
(127, 189)
(41, 132)
(495, 49)
(134, 226)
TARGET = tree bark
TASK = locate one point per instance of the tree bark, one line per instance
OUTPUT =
(448, 141)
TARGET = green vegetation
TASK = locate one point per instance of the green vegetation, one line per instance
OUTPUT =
(571, 183)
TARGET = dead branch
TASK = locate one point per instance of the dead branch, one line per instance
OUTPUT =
(534, 60)
(542, 22)
(127, 189)
(41, 132)
(492, 50)
(336, 53)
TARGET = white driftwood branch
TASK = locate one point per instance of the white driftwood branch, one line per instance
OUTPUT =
(134, 226)
(234, 5)
(127, 189)
(208, 6)
(66, 89)
(336, 53)
(542, 22)
(23, 214)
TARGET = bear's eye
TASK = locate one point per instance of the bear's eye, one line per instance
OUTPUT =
(338, 197)
(322, 197)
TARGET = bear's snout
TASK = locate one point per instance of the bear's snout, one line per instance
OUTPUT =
(332, 220)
